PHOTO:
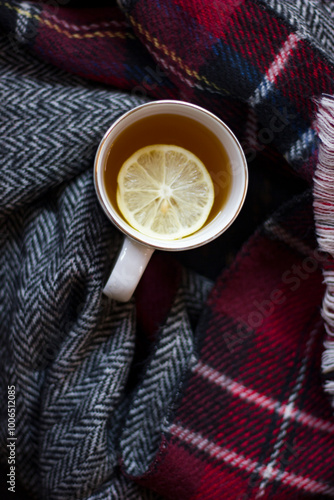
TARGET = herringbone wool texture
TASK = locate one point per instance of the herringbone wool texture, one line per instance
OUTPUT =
(208, 384)
(68, 369)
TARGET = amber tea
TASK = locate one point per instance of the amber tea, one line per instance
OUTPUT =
(175, 130)
(164, 123)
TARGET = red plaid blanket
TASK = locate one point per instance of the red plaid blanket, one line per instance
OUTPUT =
(251, 418)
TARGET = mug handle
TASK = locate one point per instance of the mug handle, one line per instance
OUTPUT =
(130, 265)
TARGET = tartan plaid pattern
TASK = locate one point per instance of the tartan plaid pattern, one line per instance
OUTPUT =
(225, 402)
(252, 408)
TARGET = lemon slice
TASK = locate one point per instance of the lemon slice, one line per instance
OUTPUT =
(164, 191)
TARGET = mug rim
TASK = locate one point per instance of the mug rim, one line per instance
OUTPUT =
(156, 243)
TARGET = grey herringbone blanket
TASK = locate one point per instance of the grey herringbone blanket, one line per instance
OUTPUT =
(64, 346)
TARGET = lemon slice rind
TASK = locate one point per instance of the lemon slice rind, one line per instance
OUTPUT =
(165, 191)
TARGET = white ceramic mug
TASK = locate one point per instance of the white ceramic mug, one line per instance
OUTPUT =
(137, 247)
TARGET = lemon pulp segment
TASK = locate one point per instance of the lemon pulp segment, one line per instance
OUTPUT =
(164, 191)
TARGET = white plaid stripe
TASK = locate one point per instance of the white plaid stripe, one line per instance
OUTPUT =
(288, 410)
(277, 66)
(301, 148)
(310, 18)
(261, 400)
(207, 446)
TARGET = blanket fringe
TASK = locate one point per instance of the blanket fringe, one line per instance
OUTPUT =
(324, 219)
